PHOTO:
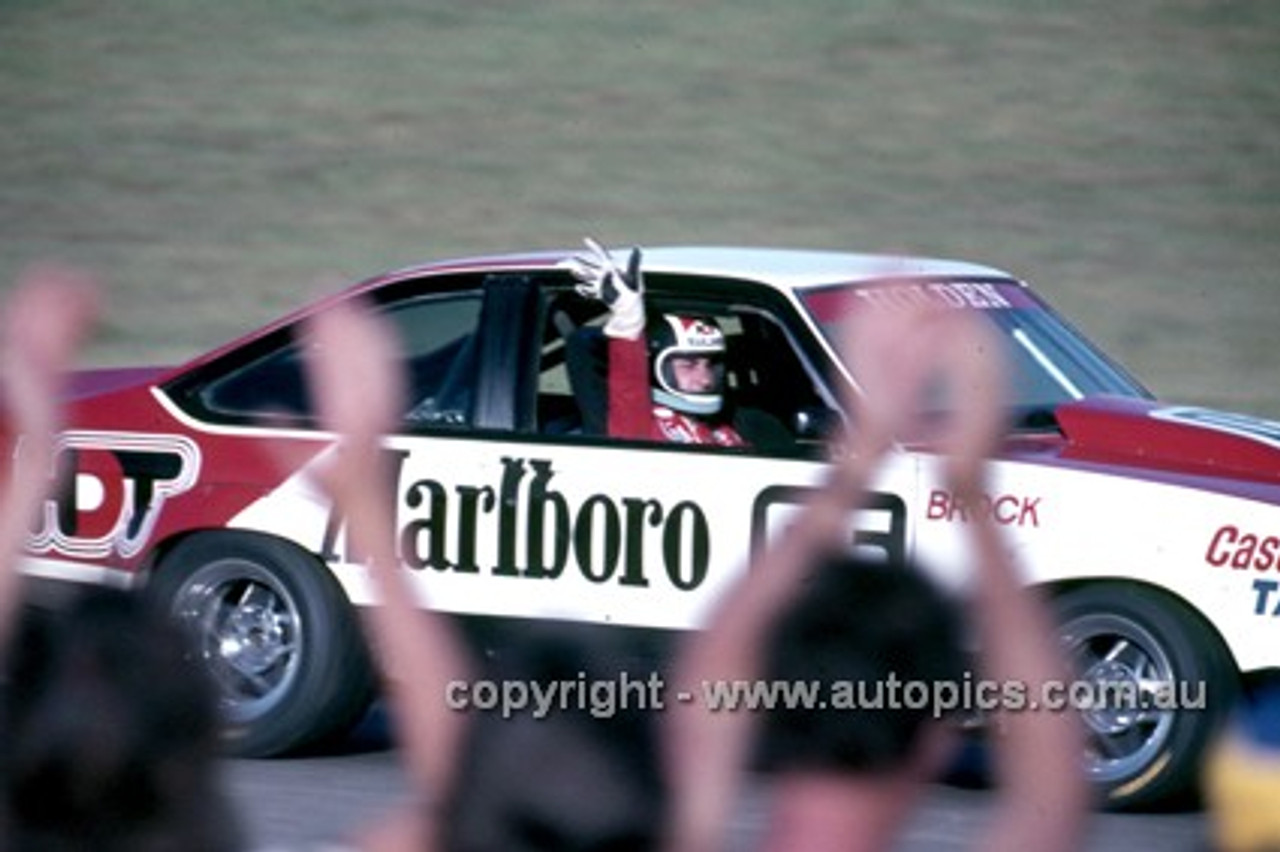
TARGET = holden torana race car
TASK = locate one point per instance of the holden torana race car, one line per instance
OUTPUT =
(1155, 528)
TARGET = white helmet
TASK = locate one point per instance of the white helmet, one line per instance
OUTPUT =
(675, 335)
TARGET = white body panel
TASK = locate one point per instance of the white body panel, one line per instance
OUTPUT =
(662, 505)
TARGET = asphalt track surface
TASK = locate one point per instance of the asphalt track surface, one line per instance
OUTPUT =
(292, 804)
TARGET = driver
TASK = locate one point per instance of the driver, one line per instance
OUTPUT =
(666, 375)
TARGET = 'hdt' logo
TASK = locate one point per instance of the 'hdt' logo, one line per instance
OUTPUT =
(114, 487)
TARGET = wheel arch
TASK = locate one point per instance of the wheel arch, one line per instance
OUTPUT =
(160, 553)
(1057, 588)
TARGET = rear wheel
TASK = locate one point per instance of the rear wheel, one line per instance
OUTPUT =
(1160, 681)
(278, 636)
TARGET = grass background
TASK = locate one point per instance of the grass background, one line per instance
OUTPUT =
(219, 162)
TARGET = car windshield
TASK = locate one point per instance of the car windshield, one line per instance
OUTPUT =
(1052, 363)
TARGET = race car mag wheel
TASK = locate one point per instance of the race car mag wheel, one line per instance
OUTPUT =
(1127, 640)
(280, 639)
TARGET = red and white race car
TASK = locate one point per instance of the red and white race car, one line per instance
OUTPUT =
(1155, 527)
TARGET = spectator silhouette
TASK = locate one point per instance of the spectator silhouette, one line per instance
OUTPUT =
(574, 780)
(806, 610)
(110, 735)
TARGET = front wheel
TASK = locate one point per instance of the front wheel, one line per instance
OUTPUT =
(280, 639)
(1158, 683)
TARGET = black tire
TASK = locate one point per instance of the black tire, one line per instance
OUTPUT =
(1133, 636)
(273, 627)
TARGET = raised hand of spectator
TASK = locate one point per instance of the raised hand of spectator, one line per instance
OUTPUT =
(46, 318)
(900, 355)
(706, 751)
(356, 382)
(904, 360)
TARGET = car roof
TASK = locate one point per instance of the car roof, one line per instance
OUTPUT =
(785, 269)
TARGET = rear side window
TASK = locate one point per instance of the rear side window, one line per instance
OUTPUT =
(436, 335)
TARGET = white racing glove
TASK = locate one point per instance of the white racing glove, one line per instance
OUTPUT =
(622, 292)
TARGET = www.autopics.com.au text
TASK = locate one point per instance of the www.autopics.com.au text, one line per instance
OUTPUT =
(604, 697)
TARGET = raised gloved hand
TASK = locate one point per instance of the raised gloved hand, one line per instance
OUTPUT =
(622, 292)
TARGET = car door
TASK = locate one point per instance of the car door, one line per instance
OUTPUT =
(643, 533)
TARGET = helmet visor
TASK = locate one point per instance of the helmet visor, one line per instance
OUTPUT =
(693, 372)
(690, 381)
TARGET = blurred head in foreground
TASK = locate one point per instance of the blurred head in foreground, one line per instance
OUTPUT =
(857, 627)
(584, 777)
(112, 733)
